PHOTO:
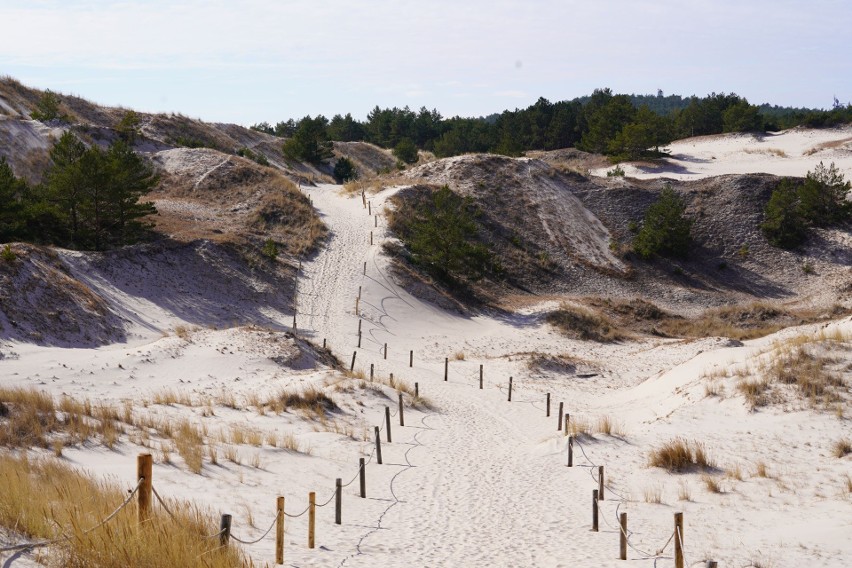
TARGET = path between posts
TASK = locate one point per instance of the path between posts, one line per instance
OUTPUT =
(488, 486)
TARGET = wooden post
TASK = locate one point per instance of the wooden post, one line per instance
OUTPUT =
(362, 473)
(338, 501)
(359, 339)
(567, 416)
(480, 377)
(294, 323)
(224, 530)
(678, 540)
(365, 268)
(377, 221)
(352, 366)
(446, 367)
(386, 351)
(712, 564)
(559, 417)
(357, 306)
(279, 531)
(570, 451)
(372, 371)
(548, 405)
(601, 483)
(401, 419)
(145, 472)
(323, 343)
(510, 389)
(359, 297)
(312, 518)
(371, 238)
(369, 208)
(378, 446)
(363, 199)
(595, 510)
(360, 321)
(622, 544)
(411, 358)
(416, 390)
(388, 422)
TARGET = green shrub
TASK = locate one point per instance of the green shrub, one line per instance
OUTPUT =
(406, 151)
(783, 223)
(617, 171)
(47, 108)
(270, 249)
(7, 254)
(439, 230)
(665, 230)
(344, 170)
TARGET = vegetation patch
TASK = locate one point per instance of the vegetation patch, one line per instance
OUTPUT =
(582, 323)
(679, 455)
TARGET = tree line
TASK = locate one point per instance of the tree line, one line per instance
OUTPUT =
(618, 125)
(89, 198)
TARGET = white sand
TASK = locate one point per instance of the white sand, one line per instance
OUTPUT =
(792, 152)
(477, 481)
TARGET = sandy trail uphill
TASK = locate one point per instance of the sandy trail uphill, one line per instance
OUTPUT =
(487, 483)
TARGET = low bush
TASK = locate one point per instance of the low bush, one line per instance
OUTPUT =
(584, 324)
(679, 455)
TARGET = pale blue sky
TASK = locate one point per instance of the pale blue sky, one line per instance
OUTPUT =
(245, 61)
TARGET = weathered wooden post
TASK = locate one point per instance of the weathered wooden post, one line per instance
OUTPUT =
(359, 297)
(369, 208)
(411, 358)
(377, 221)
(595, 510)
(294, 323)
(601, 483)
(416, 390)
(386, 351)
(510, 389)
(312, 518)
(338, 501)
(570, 451)
(365, 267)
(352, 366)
(388, 422)
(359, 339)
(323, 343)
(378, 446)
(279, 531)
(548, 405)
(224, 530)
(480, 377)
(401, 419)
(145, 472)
(446, 367)
(678, 540)
(371, 238)
(622, 543)
(372, 371)
(559, 418)
(567, 416)
(362, 474)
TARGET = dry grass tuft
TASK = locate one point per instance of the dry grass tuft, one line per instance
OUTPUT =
(312, 401)
(761, 470)
(583, 323)
(45, 500)
(712, 484)
(190, 445)
(755, 392)
(679, 455)
(609, 426)
(842, 448)
(683, 493)
(654, 494)
(458, 356)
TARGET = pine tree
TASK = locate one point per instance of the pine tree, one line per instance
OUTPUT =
(665, 230)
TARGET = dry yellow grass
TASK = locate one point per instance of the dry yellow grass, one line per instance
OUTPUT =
(712, 484)
(841, 448)
(45, 499)
(679, 455)
(190, 445)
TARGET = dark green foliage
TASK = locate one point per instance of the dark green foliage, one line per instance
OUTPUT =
(47, 108)
(406, 151)
(8, 255)
(262, 127)
(823, 196)
(90, 199)
(12, 194)
(783, 224)
(742, 117)
(344, 170)
(309, 142)
(665, 230)
(440, 233)
(128, 127)
(793, 207)
(605, 116)
(345, 129)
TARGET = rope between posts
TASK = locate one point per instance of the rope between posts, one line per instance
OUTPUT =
(162, 502)
(333, 494)
(299, 515)
(263, 536)
(94, 528)
(356, 476)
